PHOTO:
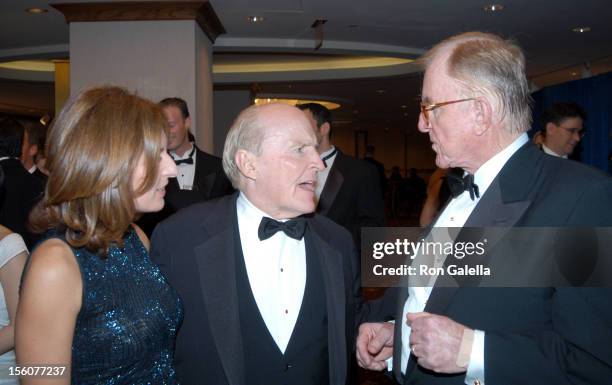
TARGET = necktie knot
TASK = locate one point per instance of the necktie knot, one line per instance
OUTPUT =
(458, 184)
(293, 228)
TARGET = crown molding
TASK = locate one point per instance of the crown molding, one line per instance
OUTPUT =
(200, 11)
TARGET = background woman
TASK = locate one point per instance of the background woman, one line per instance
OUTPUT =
(13, 254)
(91, 299)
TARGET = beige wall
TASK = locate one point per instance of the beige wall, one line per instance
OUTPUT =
(157, 59)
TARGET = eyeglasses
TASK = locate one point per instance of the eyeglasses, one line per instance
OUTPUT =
(425, 108)
(572, 131)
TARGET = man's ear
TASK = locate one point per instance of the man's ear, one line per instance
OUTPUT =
(483, 116)
(324, 129)
(188, 122)
(247, 164)
(550, 127)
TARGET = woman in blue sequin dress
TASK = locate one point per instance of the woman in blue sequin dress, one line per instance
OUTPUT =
(91, 299)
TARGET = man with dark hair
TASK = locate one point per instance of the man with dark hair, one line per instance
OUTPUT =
(563, 128)
(348, 189)
(21, 190)
(33, 143)
(200, 175)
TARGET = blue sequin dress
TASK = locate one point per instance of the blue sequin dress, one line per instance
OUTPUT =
(129, 317)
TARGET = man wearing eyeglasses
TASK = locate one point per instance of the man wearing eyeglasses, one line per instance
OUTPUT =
(563, 128)
(476, 110)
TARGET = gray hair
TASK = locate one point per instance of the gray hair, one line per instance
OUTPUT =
(246, 133)
(486, 64)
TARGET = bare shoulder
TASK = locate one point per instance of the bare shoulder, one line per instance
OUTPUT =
(4, 232)
(143, 237)
(53, 266)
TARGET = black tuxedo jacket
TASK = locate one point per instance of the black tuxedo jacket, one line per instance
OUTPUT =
(19, 193)
(532, 335)
(195, 250)
(351, 196)
(209, 182)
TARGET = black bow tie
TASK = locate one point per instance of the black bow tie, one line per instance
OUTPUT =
(188, 160)
(328, 156)
(458, 184)
(294, 228)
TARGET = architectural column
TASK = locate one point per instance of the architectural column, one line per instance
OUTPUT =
(62, 83)
(157, 49)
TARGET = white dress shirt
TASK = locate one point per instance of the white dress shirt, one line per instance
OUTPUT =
(455, 215)
(551, 152)
(186, 172)
(322, 175)
(276, 268)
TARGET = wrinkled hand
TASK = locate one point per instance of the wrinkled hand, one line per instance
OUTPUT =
(435, 341)
(375, 345)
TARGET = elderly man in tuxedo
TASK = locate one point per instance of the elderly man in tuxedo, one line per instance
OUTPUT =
(476, 110)
(270, 290)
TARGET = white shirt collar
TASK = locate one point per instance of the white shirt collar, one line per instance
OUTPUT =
(548, 151)
(185, 155)
(324, 154)
(483, 177)
(247, 211)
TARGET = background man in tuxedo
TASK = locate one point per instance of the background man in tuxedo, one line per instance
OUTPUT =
(348, 189)
(33, 144)
(476, 109)
(21, 190)
(200, 175)
(563, 128)
(270, 294)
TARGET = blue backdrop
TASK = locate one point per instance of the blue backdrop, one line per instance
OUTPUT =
(595, 96)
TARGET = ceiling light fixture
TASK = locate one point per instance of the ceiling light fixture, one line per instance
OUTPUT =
(493, 7)
(255, 18)
(380, 92)
(581, 29)
(36, 10)
(294, 102)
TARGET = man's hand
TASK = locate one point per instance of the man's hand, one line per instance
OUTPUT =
(375, 345)
(435, 341)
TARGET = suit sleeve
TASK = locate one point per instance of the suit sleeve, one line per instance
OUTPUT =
(160, 253)
(577, 348)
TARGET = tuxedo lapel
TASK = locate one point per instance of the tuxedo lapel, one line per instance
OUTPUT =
(202, 183)
(502, 206)
(331, 263)
(217, 272)
(332, 187)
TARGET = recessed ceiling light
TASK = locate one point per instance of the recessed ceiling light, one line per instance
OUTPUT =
(36, 10)
(574, 73)
(255, 18)
(493, 7)
(355, 111)
(380, 92)
(403, 106)
(581, 29)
